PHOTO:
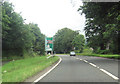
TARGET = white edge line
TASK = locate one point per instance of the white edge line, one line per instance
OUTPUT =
(114, 77)
(47, 72)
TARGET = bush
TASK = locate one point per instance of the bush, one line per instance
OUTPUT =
(103, 52)
(87, 50)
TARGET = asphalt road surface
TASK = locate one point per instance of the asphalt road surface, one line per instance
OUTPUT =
(83, 69)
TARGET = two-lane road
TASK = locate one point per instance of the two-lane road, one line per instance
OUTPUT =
(83, 69)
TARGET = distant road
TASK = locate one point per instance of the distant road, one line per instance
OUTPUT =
(83, 69)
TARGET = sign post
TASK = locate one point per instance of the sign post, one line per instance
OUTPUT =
(49, 45)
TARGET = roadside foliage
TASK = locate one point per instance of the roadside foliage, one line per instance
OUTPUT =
(102, 27)
(18, 38)
(67, 40)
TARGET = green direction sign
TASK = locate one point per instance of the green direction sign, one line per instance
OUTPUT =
(48, 43)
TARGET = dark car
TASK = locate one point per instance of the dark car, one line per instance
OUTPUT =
(72, 53)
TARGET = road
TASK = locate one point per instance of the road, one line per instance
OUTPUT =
(83, 69)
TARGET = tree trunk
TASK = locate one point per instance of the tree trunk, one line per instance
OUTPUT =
(102, 47)
(108, 46)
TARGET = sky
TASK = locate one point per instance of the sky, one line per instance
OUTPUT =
(51, 15)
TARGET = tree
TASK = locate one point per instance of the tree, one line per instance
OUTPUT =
(102, 25)
(78, 42)
(19, 38)
(38, 38)
(63, 40)
(13, 39)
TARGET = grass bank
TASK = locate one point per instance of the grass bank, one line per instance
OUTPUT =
(88, 52)
(19, 70)
(10, 57)
(114, 56)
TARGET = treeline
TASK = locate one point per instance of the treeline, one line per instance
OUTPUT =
(67, 40)
(102, 27)
(19, 38)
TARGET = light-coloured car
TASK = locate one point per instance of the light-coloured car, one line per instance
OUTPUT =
(72, 53)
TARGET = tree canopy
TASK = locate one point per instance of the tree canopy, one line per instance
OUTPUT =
(18, 37)
(102, 27)
(78, 42)
(65, 40)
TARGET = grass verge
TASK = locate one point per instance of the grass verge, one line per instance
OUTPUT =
(88, 52)
(19, 70)
(114, 56)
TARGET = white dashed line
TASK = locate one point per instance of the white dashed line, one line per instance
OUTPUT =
(97, 67)
(106, 72)
(93, 64)
(80, 59)
(85, 61)
(114, 77)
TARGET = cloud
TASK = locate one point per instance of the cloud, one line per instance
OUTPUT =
(51, 15)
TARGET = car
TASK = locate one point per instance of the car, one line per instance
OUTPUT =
(72, 53)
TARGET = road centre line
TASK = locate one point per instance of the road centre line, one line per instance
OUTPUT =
(85, 61)
(80, 59)
(106, 72)
(93, 64)
(111, 75)
(97, 67)
(47, 72)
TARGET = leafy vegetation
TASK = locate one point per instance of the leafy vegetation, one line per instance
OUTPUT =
(18, 38)
(102, 27)
(114, 56)
(19, 70)
(89, 52)
(78, 42)
(67, 40)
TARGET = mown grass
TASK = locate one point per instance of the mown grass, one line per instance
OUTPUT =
(88, 52)
(19, 70)
(0, 74)
(116, 56)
